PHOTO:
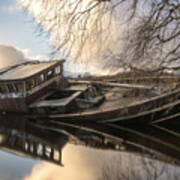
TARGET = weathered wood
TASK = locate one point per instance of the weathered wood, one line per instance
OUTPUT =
(134, 86)
(130, 112)
(147, 113)
(56, 103)
(18, 101)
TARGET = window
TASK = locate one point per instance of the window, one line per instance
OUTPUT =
(58, 70)
(3, 89)
(42, 77)
(30, 84)
(19, 87)
(50, 74)
(10, 88)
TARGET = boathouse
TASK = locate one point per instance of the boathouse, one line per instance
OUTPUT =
(22, 84)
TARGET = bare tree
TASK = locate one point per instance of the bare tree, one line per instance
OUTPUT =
(149, 37)
(156, 37)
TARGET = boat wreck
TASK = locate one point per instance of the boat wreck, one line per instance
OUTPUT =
(38, 90)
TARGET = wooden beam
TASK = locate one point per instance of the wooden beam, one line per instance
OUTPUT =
(122, 85)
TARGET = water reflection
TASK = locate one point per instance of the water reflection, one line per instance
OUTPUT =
(74, 151)
(14, 167)
(80, 164)
(32, 142)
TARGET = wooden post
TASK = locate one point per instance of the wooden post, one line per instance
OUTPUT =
(44, 150)
(6, 86)
(60, 156)
(29, 146)
(52, 154)
(34, 148)
(24, 84)
(61, 68)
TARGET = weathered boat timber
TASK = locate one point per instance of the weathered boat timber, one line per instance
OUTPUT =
(45, 94)
(141, 110)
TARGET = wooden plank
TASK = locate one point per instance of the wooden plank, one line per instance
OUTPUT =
(167, 118)
(167, 130)
(134, 86)
(91, 115)
(56, 103)
(155, 110)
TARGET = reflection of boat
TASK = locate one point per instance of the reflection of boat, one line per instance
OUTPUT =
(38, 90)
(24, 139)
(159, 140)
(45, 141)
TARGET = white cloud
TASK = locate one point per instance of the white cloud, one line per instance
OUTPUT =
(26, 52)
(39, 58)
(10, 55)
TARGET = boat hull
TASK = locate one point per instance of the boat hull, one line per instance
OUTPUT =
(144, 111)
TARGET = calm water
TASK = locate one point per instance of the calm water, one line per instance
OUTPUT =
(56, 151)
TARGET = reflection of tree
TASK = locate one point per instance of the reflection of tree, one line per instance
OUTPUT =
(138, 169)
(152, 28)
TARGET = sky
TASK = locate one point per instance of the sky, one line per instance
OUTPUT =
(18, 30)
(19, 36)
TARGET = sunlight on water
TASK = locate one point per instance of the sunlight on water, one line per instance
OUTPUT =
(82, 163)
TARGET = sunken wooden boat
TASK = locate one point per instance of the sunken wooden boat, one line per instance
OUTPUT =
(38, 90)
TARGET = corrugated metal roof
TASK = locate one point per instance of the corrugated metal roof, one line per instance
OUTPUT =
(25, 70)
